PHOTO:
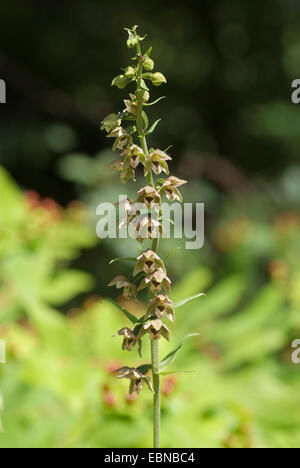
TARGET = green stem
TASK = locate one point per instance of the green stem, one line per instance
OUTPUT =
(139, 113)
(156, 398)
(156, 377)
(149, 177)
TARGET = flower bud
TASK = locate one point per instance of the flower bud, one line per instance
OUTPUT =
(129, 72)
(121, 282)
(145, 95)
(110, 122)
(120, 81)
(148, 64)
(132, 40)
(158, 79)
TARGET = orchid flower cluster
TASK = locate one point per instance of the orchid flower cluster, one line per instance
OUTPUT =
(129, 130)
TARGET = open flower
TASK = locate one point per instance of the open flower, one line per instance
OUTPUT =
(147, 228)
(129, 289)
(148, 262)
(161, 306)
(156, 328)
(157, 281)
(130, 212)
(133, 156)
(110, 122)
(130, 339)
(157, 162)
(137, 379)
(149, 196)
(131, 105)
(116, 165)
(127, 174)
(123, 139)
(169, 188)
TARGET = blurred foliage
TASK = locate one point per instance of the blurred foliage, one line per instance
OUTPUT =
(229, 73)
(236, 385)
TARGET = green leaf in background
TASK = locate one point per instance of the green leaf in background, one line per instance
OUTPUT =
(178, 372)
(193, 283)
(11, 200)
(173, 354)
(77, 167)
(189, 299)
(65, 285)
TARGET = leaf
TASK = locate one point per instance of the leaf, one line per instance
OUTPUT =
(178, 372)
(131, 129)
(152, 128)
(11, 198)
(154, 102)
(171, 253)
(122, 259)
(194, 282)
(144, 368)
(131, 317)
(189, 299)
(148, 53)
(169, 147)
(144, 86)
(143, 319)
(148, 76)
(145, 120)
(172, 355)
(159, 183)
(66, 285)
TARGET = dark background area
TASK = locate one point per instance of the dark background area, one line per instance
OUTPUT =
(229, 67)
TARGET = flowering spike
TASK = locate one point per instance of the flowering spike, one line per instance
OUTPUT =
(149, 270)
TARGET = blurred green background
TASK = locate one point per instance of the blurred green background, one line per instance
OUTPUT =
(236, 138)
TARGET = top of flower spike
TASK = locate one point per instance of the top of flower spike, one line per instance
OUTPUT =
(133, 37)
(149, 266)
